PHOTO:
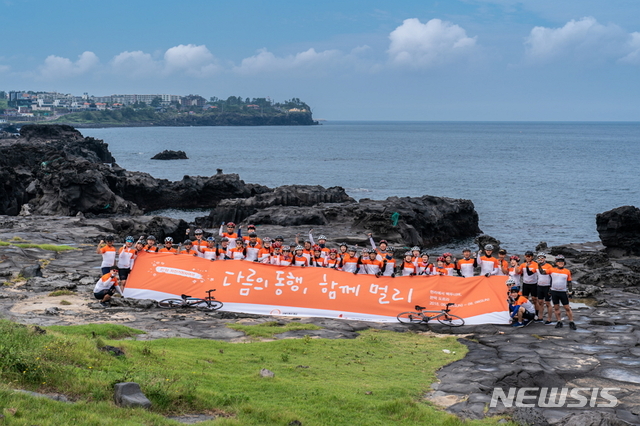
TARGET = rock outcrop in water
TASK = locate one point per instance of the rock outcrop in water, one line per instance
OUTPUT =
(168, 154)
(56, 171)
(619, 230)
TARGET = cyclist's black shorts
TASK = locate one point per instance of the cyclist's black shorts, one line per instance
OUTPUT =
(529, 289)
(543, 292)
(528, 315)
(100, 295)
(123, 273)
(560, 297)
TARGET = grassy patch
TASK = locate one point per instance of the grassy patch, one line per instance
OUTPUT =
(65, 302)
(269, 329)
(377, 379)
(61, 292)
(49, 247)
(109, 331)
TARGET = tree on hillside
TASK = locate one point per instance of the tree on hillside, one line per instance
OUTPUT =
(156, 102)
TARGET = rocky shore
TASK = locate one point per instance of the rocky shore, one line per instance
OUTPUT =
(66, 180)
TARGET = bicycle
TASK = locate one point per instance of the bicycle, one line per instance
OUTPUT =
(209, 303)
(421, 316)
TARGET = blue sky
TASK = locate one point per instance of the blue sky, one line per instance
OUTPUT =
(350, 60)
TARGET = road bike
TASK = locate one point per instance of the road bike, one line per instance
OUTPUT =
(421, 316)
(209, 303)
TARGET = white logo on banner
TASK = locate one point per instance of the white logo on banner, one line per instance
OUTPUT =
(176, 271)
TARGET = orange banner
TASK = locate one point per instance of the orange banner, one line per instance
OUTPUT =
(252, 287)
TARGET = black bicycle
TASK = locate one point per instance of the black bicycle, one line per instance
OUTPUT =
(209, 303)
(421, 316)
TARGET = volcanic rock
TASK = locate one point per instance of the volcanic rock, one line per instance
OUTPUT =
(168, 154)
(619, 230)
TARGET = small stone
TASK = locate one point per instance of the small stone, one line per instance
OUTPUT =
(129, 395)
(446, 351)
(368, 393)
(53, 310)
(31, 271)
(267, 373)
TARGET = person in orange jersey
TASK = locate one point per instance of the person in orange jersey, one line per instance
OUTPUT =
(108, 252)
(168, 246)
(106, 286)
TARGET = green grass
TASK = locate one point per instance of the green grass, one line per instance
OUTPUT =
(269, 329)
(62, 292)
(49, 247)
(377, 379)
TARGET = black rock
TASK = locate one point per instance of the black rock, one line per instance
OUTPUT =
(129, 395)
(619, 230)
(31, 271)
(483, 240)
(170, 155)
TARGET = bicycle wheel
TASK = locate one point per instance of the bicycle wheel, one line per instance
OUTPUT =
(410, 317)
(170, 303)
(450, 320)
(212, 305)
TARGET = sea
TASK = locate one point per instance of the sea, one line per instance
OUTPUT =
(529, 181)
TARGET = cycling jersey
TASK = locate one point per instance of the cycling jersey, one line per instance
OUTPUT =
(237, 253)
(199, 245)
(425, 268)
(208, 253)
(332, 263)
(252, 251)
(370, 267)
(231, 236)
(466, 266)
(263, 254)
(151, 249)
(515, 274)
(488, 265)
(317, 261)
(544, 280)
(529, 276)
(108, 256)
(190, 252)
(451, 269)
(106, 282)
(523, 302)
(126, 256)
(409, 268)
(503, 265)
(300, 260)
(349, 263)
(167, 250)
(560, 279)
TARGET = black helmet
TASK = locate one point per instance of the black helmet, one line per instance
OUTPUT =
(109, 238)
(151, 237)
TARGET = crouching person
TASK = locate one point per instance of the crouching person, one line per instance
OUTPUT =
(107, 286)
(522, 310)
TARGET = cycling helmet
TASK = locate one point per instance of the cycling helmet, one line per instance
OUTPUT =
(210, 239)
(488, 247)
(322, 237)
(383, 242)
(317, 248)
(299, 247)
(253, 235)
(109, 238)
(198, 231)
(466, 249)
(528, 253)
(365, 250)
(415, 248)
(560, 258)
(231, 225)
(224, 239)
(151, 237)
(168, 240)
(251, 227)
(276, 245)
(408, 253)
(352, 249)
(187, 243)
(285, 248)
(266, 240)
(280, 238)
(441, 259)
(344, 244)
(515, 288)
(129, 239)
(333, 250)
(541, 254)
(239, 239)
(390, 249)
(516, 258)
(511, 282)
(424, 253)
(447, 254)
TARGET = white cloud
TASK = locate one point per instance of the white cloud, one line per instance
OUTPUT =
(265, 61)
(56, 67)
(193, 60)
(633, 57)
(135, 64)
(584, 40)
(4, 68)
(427, 45)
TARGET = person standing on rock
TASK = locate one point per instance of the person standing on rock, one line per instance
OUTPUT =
(222, 251)
(266, 250)
(369, 263)
(106, 286)
(343, 250)
(168, 246)
(514, 270)
(239, 252)
(253, 247)
(529, 272)
(199, 243)
(108, 252)
(560, 286)
(230, 233)
(187, 249)
(209, 252)
(322, 242)
(350, 260)
(449, 263)
(424, 266)
(467, 265)
(251, 229)
(126, 256)
(543, 294)
(333, 261)
(503, 264)
(299, 259)
(488, 264)
(151, 246)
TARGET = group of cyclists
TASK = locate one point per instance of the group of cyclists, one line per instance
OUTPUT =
(534, 279)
